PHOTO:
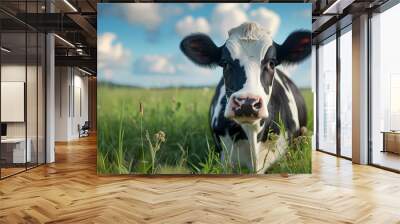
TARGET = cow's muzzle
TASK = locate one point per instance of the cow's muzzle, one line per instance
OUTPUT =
(246, 108)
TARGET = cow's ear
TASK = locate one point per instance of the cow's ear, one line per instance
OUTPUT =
(296, 48)
(201, 50)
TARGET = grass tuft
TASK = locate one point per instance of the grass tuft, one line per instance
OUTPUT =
(130, 140)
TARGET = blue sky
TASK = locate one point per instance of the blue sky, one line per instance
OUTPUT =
(138, 44)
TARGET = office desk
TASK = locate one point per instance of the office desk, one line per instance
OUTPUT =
(13, 150)
(391, 141)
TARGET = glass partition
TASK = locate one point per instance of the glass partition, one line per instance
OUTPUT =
(327, 96)
(31, 97)
(22, 77)
(14, 153)
(41, 97)
(385, 89)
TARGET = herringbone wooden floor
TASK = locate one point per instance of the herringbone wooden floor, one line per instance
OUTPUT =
(69, 191)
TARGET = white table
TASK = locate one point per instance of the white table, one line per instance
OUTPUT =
(19, 153)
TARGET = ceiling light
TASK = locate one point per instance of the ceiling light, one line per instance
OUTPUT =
(79, 51)
(84, 71)
(70, 5)
(334, 5)
(337, 7)
(64, 40)
(5, 50)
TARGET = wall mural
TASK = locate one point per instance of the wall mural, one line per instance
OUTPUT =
(193, 88)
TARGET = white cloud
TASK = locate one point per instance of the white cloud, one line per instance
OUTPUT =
(111, 54)
(186, 74)
(154, 64)
(108, 74)
(110, 49)
(190, 25)
(144, 14)
(266, 18)
(228, 16)
(148, 15)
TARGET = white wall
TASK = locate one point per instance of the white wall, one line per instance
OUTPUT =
(70, 84)
(33, 126)
(13, 100)
(81, 94)
(62, 82)
(17, 73)
(14, 73)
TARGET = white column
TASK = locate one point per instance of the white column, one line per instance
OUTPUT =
(50, 92)
(360, 90)
(50, 99)
(314, 90)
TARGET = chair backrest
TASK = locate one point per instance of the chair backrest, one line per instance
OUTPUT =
(86, 125)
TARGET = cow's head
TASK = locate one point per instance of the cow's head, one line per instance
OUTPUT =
(248, 58)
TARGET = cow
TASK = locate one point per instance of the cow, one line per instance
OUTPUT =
(254, 100)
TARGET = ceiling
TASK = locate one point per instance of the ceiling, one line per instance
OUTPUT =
(331, 15)
(75, 23)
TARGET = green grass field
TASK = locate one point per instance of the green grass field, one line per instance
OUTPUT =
(169, 134)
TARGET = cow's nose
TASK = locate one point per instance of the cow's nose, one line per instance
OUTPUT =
(247, 106)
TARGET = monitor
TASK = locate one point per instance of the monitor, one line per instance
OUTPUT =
(3, 129)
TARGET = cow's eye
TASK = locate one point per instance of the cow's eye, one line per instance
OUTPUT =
(223, 63)
(271, 64)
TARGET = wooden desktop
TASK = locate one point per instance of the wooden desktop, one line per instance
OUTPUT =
(391, 141)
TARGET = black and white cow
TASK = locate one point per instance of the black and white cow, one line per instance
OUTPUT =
(253, 97)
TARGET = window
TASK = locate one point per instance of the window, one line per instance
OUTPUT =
(385, 89)
(327, 96)
(346, 93)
